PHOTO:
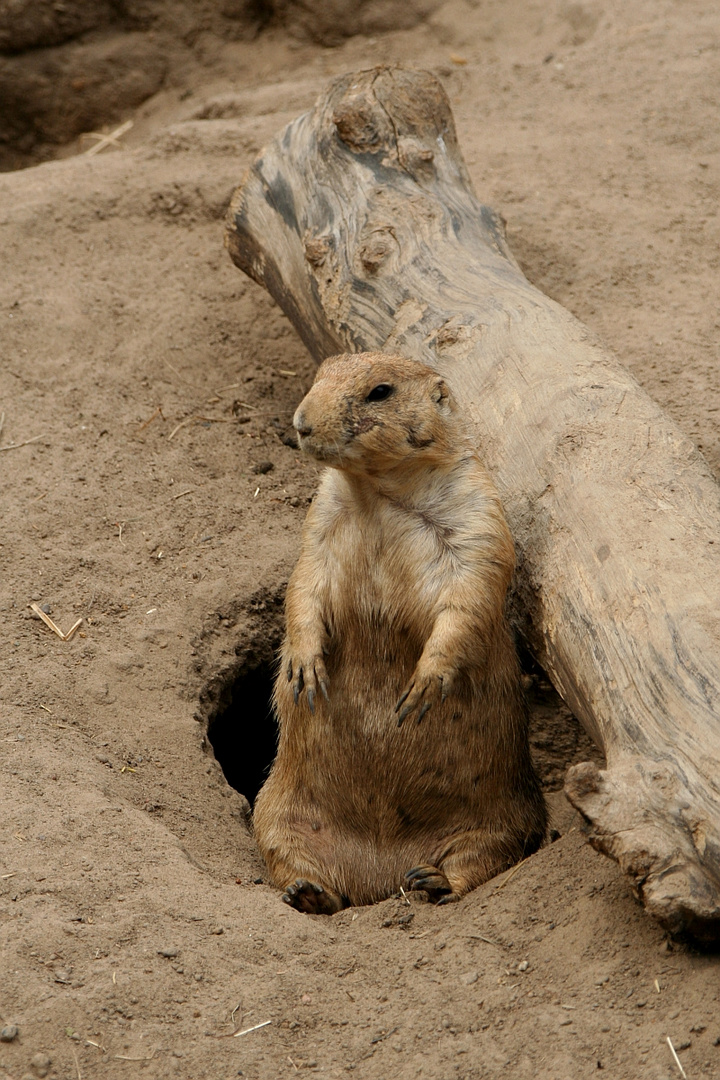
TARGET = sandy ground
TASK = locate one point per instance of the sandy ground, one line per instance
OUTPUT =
(151, 385)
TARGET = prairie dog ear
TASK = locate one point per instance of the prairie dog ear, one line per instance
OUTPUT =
(440, 393)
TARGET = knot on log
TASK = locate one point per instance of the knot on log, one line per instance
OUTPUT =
(317, 248)
(414, 157)
(582, 780)
(399, 112)
(359, 124)
(377, 248)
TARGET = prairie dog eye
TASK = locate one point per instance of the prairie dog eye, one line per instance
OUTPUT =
(380, 392)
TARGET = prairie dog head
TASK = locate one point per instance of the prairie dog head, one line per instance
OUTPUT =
(370, 412)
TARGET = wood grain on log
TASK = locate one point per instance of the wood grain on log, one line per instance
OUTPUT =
(361, 221)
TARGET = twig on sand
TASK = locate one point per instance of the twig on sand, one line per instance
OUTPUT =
(481, 937)
(512, 874)
(677, 1059)
(53, 626)
(112, 138)
(158, 412)
(182, 424)
(25, 442)
(126, 1057)
(77, 1063)
(246, 1031)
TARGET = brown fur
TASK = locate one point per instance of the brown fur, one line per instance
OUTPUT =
(403, 755)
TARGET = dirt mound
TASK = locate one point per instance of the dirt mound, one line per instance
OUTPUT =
(146, 391)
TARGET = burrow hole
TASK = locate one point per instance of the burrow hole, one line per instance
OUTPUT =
(241, 725)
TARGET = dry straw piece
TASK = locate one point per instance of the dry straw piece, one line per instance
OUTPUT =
(55, 629)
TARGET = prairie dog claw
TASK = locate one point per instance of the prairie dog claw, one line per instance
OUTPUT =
(309, 675)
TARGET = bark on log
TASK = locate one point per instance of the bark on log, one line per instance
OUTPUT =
(361, 221)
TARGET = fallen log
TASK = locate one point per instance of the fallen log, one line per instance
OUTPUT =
(361, 221)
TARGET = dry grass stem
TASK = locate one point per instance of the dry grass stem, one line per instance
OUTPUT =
(111, 139)
(481, 937)
(182, 378)
(72, 630)
(158, 412)
(53, 626)
(512, 874)
(2, 422)
(256, 1027)
(677, 1059)
(194, 419)
(77, 1063)
(188, 491)
(25, 442)
(182, 424)
(127, 1057)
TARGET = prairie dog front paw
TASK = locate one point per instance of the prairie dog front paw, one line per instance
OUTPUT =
(307, 671)
(431, 682)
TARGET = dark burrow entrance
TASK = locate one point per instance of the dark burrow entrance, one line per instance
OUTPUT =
(242, 728)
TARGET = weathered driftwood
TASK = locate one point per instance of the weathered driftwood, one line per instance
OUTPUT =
(361, 221)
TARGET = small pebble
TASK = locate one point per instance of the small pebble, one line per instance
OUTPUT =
(263, 467)
(9, 1033)
(523, 965)
(40, 1063)
(684, 1044)
(169, 954)
(469, 978)
(103, 759)
(217, 930)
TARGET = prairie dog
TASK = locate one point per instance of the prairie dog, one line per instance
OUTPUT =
(403, 754)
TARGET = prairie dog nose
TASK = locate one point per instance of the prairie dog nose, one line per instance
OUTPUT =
(301, 424)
